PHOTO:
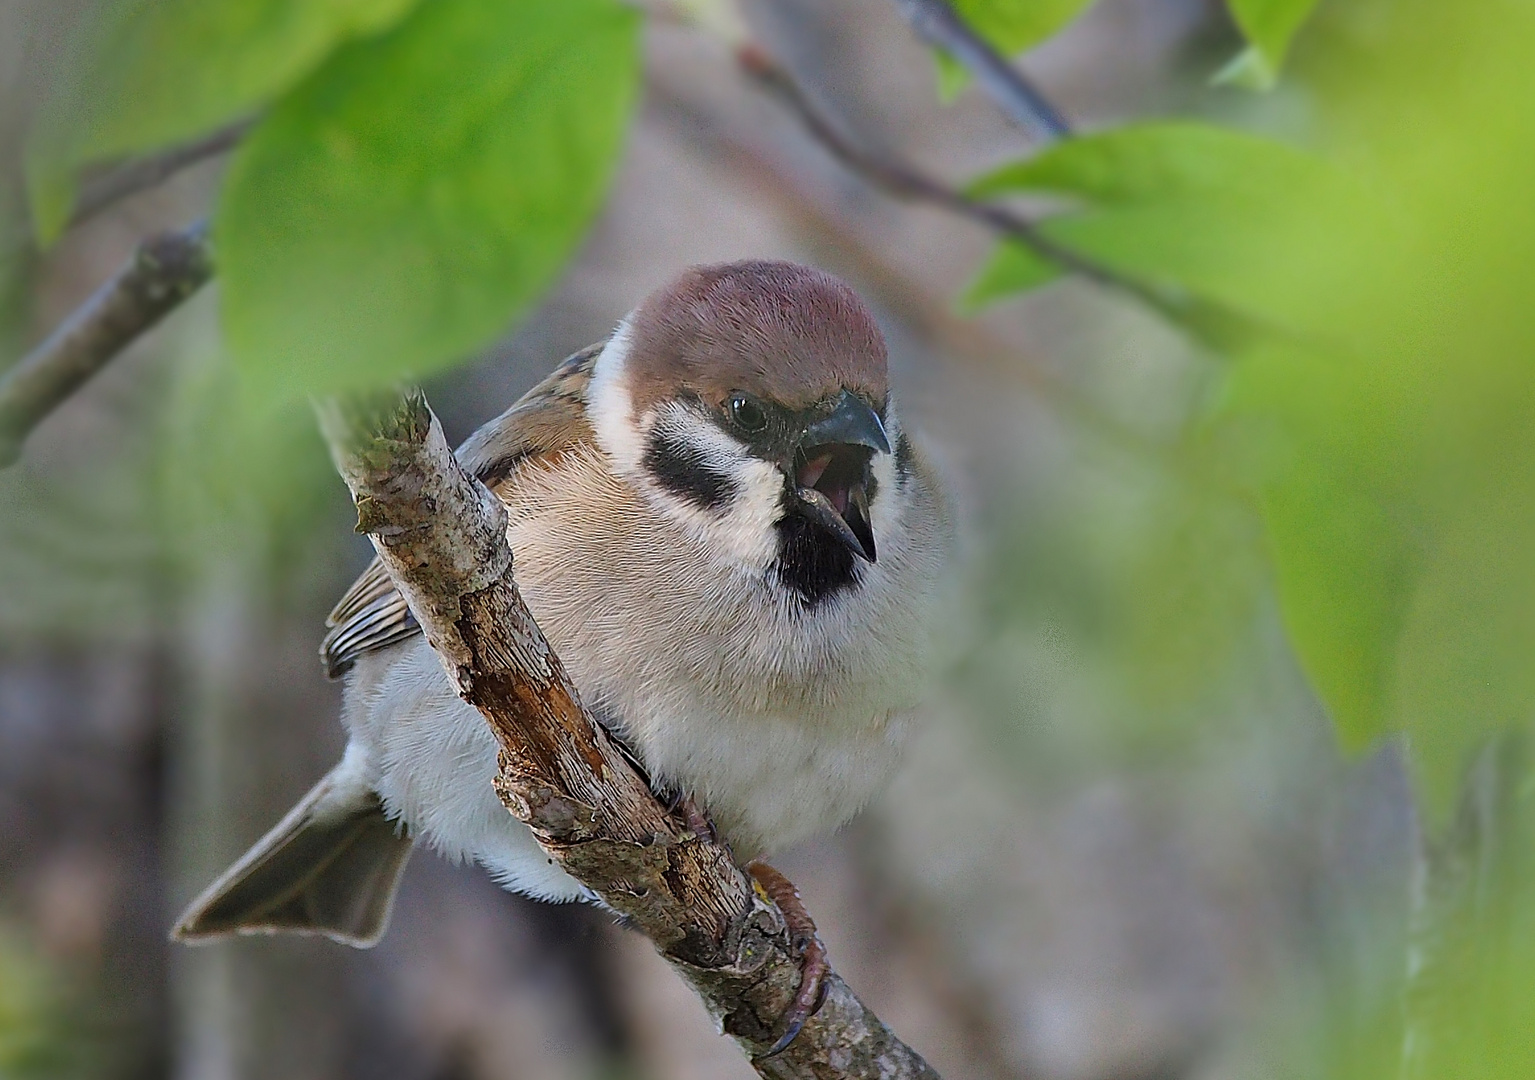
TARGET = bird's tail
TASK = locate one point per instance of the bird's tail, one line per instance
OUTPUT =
(329, 867)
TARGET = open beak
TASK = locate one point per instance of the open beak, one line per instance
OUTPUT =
(831, 472)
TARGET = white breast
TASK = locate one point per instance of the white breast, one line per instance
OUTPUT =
(781, 720)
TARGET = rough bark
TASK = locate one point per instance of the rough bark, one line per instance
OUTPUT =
(442, 536)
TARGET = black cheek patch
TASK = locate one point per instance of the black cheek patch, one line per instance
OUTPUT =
(681, 469)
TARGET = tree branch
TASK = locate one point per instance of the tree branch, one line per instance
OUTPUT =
(939, 25)
(132, 177)
(904, 182)
(163, 271)
(167, 269)
(442, 536)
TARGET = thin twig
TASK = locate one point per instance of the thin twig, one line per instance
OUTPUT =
(939, 25)
(442, 537)
(101, 191)
(905, 182)
(901, 180)
(771, 179)
(164, 271)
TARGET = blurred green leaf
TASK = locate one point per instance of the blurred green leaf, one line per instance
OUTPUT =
(1201, 208)
(1386, 429)
(239, 478)
(1270, 25)
(953, 77)
(397, 210)
(1012, 268)
(1465, 656)
(1010, 26)
(149, 73)
(1396, 471)
(1248, 70)
(1399, 541)
(1344, 555)
(1191, 593)
(1156, 160)
(1484, 1026)
(40, 1034)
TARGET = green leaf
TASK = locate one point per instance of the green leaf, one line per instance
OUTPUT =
(1156, 160)
(1012, 268)
(1320, 448)
(1010, 26)
(1247, 70)
(149, 73)
(1398, 493)
(953, 77)
(1465, 656)
(1394, 457)
(397, 211)
(1200, 208)
(1270, 25)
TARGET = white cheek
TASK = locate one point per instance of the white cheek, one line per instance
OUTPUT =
(747, 530)
(885, 511)
(610, 409)
(741, 533)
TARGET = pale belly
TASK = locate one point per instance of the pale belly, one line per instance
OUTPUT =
(766, 782)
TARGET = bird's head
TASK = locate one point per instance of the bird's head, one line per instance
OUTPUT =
(750, 401)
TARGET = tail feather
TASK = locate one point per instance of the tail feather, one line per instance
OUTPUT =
(331, 867)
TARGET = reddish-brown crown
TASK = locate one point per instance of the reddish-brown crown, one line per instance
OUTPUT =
(777, 330)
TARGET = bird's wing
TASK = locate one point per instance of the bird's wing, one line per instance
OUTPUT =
(547, 420)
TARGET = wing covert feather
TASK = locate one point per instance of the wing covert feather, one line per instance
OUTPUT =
(547, 420)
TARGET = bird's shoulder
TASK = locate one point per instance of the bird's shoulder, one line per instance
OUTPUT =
(544, 424)
(548, 420)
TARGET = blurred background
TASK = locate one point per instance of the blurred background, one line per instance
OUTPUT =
(1124, 848)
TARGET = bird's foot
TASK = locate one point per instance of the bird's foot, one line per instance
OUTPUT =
(807, 942)
(693, 817)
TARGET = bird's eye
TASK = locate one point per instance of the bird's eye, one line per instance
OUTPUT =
(746, 413)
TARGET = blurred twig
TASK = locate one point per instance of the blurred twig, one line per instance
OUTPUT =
(766, 175)
(164, 271)
(939, 25)
(903, 181)
(106, 188)
(442, 537)
(773, 182)
(1211, 323)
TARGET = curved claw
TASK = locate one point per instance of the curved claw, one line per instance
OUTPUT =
(811, 988)
(807, 942)
(783, 1042)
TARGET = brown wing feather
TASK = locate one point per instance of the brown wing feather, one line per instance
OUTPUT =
(547, 420)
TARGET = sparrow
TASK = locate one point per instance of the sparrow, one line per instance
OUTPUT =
(725, 532)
